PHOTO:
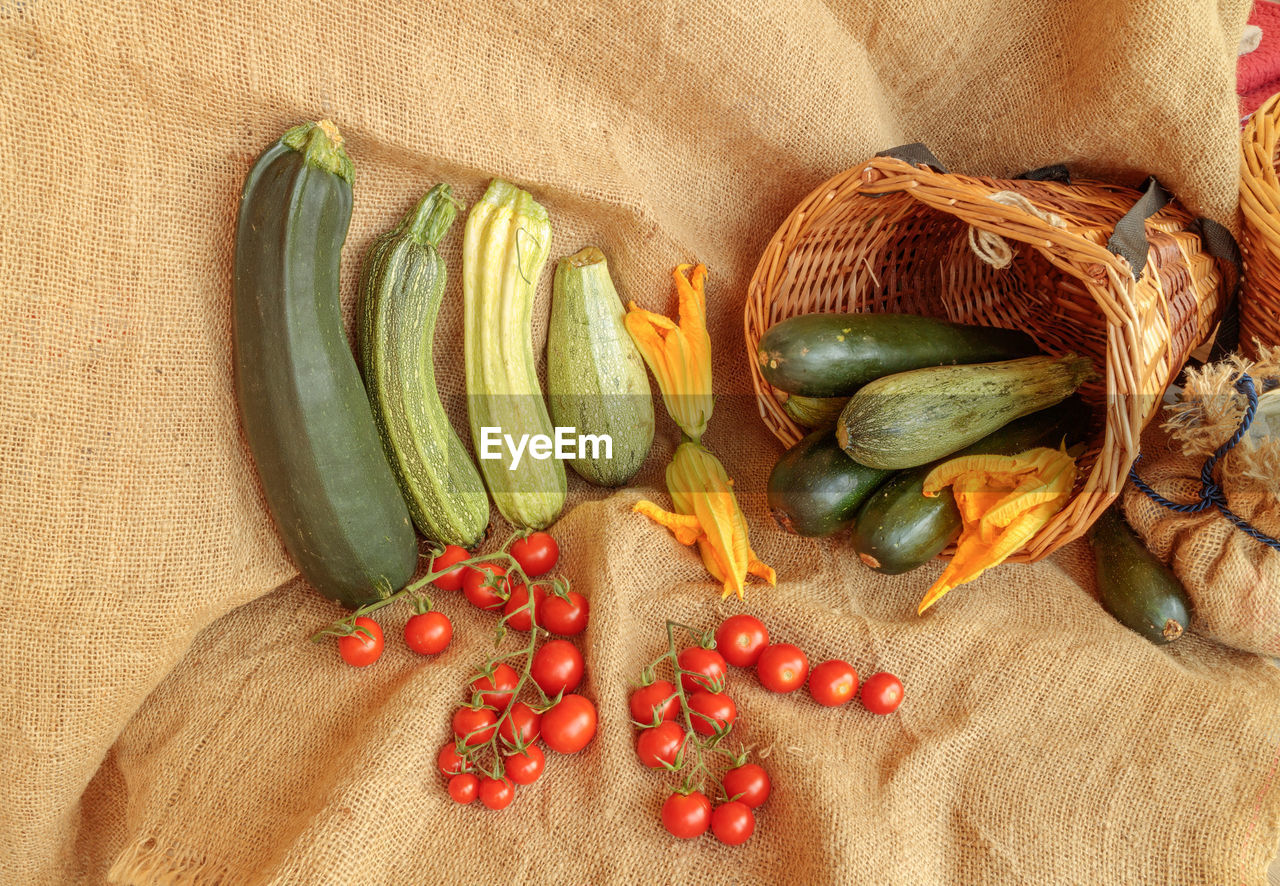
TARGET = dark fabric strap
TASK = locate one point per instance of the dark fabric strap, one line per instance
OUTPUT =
(916, 154)
(1219, 243)
(1129, 239)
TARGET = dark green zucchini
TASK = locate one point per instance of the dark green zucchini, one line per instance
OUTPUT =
(815, 489)
(832, 355)
(898, 529)
(1137, 589)
(307, 420)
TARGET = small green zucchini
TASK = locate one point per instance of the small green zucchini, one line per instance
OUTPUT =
(813, 412)
(596, 380)
(832, 355)
(1137, 589)
(815, 489)
(401, 288)
(504, 249)
(898, 529)
(909, 419)
(306, 417)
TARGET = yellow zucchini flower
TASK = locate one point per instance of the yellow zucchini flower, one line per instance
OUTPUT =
(679, 355)
(1004, 500)
(707, 513)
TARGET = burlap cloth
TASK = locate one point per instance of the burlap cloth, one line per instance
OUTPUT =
(166, 720)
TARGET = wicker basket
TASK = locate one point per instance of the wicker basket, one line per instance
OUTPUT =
(892, 237)
(1260, 240)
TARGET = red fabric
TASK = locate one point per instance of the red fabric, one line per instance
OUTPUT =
(1258, 72)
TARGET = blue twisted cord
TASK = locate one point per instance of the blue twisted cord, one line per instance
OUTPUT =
(1210, 490)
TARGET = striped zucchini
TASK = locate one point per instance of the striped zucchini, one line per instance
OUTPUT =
(401, 288)
(306, 417)
(504, 248)
(596, 380)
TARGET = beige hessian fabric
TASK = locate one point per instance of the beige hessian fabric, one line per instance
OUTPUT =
(166, 720)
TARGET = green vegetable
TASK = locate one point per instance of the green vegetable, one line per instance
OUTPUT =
(898, 529)
(832, 355)
(596, 380)
(813, 412)
(815, 489)
(1137, 589)
(306, 417)
(912, 418)
(504, 249)
(400, 293)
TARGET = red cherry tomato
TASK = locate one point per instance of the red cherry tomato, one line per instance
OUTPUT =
(484, 586)
(496, 793)
(782, 668)
(521, 720)
(451, 580)
(569, 726)
(450, 762)
(741, 639)
(428, 633)
(748, 784)
(537, 553)
(463, 788)
(833, 683)
(524, 767)
(716, 705)
(647, 701)
(882, 693)
(473, 726)
(707, 665)
(557, 666)
(359, 649)
(495, 690)
(518, 617)
(564, 616)
(733, 823)
(658, 747)
(686, 815)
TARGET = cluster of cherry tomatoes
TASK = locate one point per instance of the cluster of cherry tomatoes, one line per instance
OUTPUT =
(743, 641)
(496, 719)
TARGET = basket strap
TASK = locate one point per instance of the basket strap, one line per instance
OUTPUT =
(1129, 239)
(1219, 243)
(915, 154)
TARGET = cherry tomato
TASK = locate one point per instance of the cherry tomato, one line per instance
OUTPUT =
(648, 700)
(570, 725)
(660, 745)
(782, 668)
(740, 639)
(473, 726)
(451, 580)
(428, 633)
(882, 693)
(518, 617)
(521, 720)
(832, 683)
(359, 649)
(733, 823)
(716, 705)
(705, 662)
(496, 793)
(481, 582)
(557, 666)
(463, 788)
(686, 815)
(748, 784)
(495, 690)
(450, 761)
(564, 615)
(524, 767)
(537, 553)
